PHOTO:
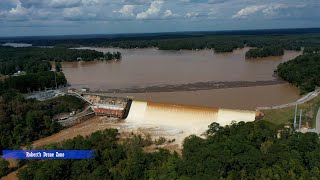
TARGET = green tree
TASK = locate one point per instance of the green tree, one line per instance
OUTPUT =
(4, 167)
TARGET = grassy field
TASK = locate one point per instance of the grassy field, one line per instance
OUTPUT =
(286, 115)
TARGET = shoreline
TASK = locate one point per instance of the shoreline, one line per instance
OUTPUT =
(194, 86)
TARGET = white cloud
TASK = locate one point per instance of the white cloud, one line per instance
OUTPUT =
(192, 14)
(267, 10)
(168, 13)
(272, 9)
(127, 10)
(19, 10)
(153, 10)
(17, 13)
(248, 10)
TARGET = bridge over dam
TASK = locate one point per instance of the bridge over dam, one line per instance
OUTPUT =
(140, 114)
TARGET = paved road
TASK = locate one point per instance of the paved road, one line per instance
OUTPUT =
(318, 121)
(302, 100)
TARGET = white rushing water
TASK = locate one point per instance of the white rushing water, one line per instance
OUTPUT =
(181, 121)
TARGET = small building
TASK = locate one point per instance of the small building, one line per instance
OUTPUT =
(108, 110)
(85, 89)
(19, 73)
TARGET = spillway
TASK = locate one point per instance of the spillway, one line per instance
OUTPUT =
(184, 119)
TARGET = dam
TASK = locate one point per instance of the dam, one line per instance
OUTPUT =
(167, 120)
(181, 119)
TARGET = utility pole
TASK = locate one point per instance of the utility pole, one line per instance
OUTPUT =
(295, 117)
(300, 119)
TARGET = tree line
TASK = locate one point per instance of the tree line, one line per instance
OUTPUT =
(218, 42)
(112, 56)
(37, 59)
(33, 81)
(255, 150)
(302, 71)
(264, 52)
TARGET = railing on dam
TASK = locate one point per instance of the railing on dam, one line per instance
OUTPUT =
(74, 93)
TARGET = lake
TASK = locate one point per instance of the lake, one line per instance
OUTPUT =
(151, 67)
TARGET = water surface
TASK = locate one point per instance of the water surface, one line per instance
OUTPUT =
(152, 67)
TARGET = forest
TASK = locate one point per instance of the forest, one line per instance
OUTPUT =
(255, 150)
(23, 121)
(302, 71)
(264, 52)
(220, 42)
(24, 59)
(33, 81)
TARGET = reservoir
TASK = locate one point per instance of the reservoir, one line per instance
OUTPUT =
(141, 68)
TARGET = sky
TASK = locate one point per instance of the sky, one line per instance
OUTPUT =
(71, 17)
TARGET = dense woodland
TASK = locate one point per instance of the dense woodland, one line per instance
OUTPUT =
(219, 42)
(33, 81)
(240, 151)
(23, 121)
(265, 52)
(303, 71)
(24, 59)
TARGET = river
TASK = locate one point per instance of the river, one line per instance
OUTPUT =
(151, 67)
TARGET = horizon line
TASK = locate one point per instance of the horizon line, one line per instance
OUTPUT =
(164, 32)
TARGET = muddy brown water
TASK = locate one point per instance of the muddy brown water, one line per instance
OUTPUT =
(152, 67)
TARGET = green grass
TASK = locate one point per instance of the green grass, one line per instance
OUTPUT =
(286, 115)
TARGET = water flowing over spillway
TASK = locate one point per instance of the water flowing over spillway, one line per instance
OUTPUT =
(180, 119)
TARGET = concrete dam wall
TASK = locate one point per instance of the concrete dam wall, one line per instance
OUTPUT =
(182, 119)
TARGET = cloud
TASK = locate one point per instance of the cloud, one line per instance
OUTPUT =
(272, 9)
(213, 14)
(248, 11)
(169, 14)
(18, 13)
(192, 14)
(267, 10)
(127, 10)
(152, 11)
